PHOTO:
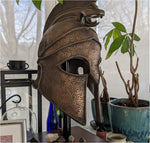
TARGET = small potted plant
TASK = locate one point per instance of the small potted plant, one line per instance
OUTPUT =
(104, 98)
(130, 116)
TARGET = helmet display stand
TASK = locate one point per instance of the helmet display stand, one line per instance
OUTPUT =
(66, 119)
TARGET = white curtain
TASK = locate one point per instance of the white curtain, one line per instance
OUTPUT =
(49, 5)
(21, 30)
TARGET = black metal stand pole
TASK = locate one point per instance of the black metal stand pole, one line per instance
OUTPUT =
(60, 119)
(66, 126)
(66, 119)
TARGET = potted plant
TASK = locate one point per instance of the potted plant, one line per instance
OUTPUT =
(130, 116)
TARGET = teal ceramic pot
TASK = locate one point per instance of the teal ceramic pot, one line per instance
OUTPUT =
(104, 110)
(131, 121)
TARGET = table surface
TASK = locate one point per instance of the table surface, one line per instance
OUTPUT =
(77, 132)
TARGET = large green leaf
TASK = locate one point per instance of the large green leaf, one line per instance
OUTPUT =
(115, 45)
(136, 37)
(108, 35)
(60, 1)
(37, 3)
(17, 1)
(116, 33)
(130, 46)
(119, 26)
(125, 45)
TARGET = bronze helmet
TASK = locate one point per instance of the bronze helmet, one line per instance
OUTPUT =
(68, 43)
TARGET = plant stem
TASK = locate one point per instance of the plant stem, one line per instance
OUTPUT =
(133, 30)
(105, 94)
(132, 90)
(135, 82)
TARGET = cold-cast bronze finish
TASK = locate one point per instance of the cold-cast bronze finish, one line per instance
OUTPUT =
(68, 46)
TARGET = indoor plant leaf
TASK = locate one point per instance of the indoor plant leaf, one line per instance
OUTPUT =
(120, 26)
(136, 37)
(115, 45)
(17, 1)
(37, 3)
(116, 33)
(129, 40)
(125, 46)
(60, 1)
(108, 35)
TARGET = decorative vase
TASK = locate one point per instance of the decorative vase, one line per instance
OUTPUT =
(133, 122)
(52, 119)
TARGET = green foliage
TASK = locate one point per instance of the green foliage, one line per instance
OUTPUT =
(119, 26)
(108, 35)
(136, 37)
(60, 1)
(17, 1)
(37, 3)
(125, 45)
(118, 38)
(115, 45)
(116, 33)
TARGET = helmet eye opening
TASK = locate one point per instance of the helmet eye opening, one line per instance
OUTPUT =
(80, 70)
(78, 66)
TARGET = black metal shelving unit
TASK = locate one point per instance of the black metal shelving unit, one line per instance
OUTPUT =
(20, 83)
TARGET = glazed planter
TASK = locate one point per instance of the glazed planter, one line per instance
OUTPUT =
(133, 122)
(104, 110)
